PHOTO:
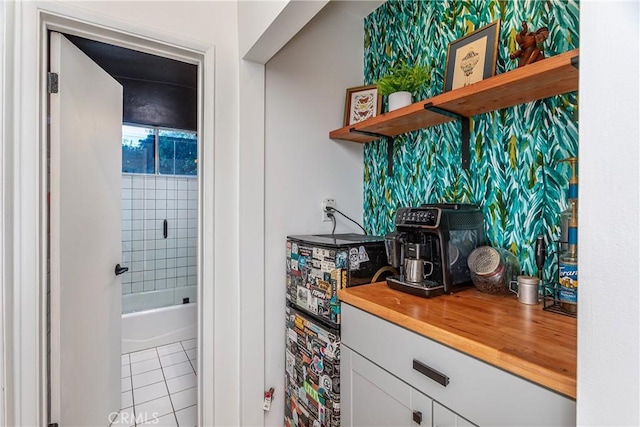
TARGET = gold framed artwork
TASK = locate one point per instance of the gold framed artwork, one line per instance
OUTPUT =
(472, 58)
(362, 102)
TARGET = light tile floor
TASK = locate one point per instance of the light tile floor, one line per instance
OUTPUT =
(159, 386)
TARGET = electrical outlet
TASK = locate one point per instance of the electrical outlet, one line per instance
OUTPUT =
(327, 203)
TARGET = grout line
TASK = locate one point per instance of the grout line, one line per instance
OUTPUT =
(176, 363)
(133, 398)
(168, 345)
(155, 349)
(133, 402)
(186, 389)
(168, 393)
(146, 385)
(146, 420)
(187, 407)
(145, 361)
(179, 376)
(190, 361)
(164, 378)
(193, 367)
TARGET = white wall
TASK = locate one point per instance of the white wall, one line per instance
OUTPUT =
(305, 90)
(254, 17)
(207, 24)
(609, 303)
(252, 242)
(216, 23)
(265, 25)
(6, 30)
(325, 59)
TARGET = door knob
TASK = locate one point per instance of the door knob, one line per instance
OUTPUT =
(120, 270)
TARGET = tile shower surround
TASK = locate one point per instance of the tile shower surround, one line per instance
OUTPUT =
(161, 271)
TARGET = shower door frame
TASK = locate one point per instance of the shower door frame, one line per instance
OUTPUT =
(26, 396)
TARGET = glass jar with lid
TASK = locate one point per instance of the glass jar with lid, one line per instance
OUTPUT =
(492, 269)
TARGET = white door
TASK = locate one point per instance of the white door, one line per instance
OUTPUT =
(85, 144)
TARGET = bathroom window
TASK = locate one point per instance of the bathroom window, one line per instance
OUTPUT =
(152, 150)
(138, 149)
(178, 152)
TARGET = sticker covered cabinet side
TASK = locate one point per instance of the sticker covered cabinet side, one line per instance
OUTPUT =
(291, 269)
(304, 278)
(338, 281)
(294, 273)
(312, 378)
(323, 289)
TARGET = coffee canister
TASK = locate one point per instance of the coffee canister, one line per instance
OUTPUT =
(528, 289)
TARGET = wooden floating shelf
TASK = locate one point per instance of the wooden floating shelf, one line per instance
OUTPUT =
(543, 79)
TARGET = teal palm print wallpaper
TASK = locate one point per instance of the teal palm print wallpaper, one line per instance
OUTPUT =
(515, 173)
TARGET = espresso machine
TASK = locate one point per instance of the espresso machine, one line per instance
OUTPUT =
(430, 247)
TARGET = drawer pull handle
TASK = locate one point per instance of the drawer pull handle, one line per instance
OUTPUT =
(438, 377)
(417, 417)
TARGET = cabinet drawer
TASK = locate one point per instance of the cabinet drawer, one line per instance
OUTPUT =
(480, 392)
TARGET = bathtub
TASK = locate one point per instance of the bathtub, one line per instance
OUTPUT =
(160, 326)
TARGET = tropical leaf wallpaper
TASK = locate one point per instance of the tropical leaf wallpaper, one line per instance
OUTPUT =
(515, 173)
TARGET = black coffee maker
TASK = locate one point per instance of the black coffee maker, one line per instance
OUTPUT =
(430, 247)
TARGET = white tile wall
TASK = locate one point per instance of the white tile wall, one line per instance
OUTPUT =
(155, 263)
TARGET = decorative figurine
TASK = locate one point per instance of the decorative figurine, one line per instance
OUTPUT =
(530, 45)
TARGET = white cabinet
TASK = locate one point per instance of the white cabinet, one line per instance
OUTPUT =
(462, 388)
(444, 417)
(372, 397)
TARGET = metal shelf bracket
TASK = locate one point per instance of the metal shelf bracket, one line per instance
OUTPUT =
(575, 61)
(389, 146)
(465, 131)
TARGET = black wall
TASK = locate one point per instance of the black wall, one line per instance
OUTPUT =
(157, 91)
(159, 104)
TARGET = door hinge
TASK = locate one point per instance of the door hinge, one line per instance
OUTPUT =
(52, 82)
(53, 424)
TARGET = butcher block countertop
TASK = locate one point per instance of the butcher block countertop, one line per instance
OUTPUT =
(522, 339)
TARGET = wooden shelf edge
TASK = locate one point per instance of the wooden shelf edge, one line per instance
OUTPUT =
(415, 117)
(345, 134)
(557, 74)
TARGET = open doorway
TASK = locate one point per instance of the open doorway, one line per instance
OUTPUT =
(158, 195)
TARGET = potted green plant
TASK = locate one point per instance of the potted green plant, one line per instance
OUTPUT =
(401, 82)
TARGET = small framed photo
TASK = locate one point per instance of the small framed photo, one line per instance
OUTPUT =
(363, 102)
(472, 58)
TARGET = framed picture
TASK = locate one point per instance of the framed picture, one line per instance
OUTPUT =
(363, 102)
(472, 58)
